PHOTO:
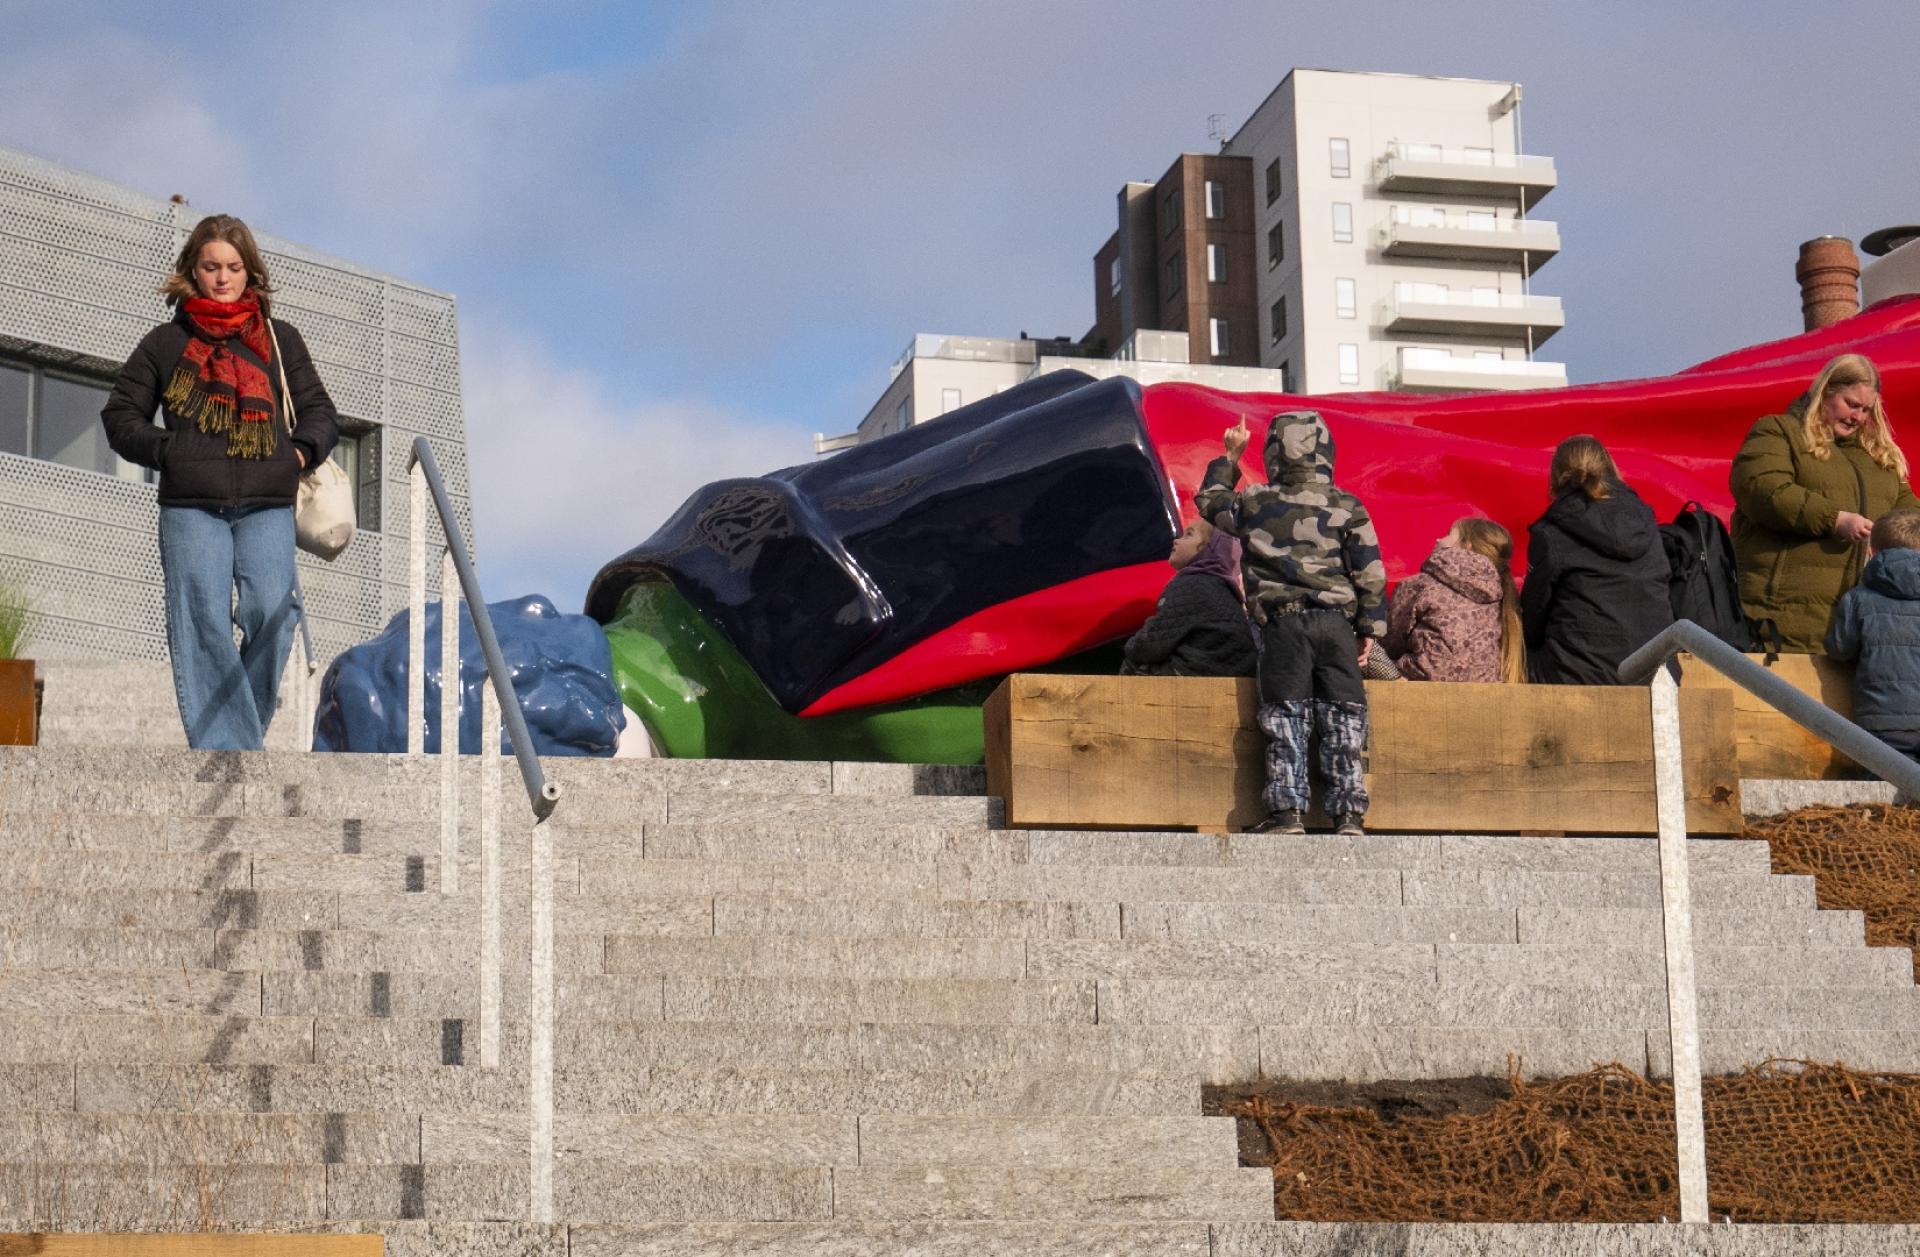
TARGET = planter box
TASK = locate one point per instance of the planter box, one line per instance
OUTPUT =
(1165, 752)
(19, 717)
(1772, 745)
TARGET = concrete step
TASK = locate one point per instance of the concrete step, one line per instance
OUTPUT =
(95, 1038)
(193, 1196)
(841, 1238)
(639, 1090)
(135, 1139)
(1102, 1195)
(1171, 1002)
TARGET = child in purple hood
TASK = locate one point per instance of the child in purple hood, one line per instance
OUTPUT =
(1458, 619)
(1200, 627)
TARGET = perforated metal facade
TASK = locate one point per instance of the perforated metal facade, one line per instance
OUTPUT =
(80, 259)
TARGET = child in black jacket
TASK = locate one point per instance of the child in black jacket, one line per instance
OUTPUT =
(1200, 628)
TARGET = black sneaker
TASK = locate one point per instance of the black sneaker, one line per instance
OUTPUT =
(1282, 822)
(1349, 826)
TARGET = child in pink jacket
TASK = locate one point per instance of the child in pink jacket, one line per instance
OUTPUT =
(1458, 618)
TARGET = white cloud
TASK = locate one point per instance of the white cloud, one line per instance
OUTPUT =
(567, 475)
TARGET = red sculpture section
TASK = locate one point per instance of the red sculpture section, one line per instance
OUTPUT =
(1419, 463)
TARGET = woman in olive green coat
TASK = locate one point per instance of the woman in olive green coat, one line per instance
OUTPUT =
(1807, 486)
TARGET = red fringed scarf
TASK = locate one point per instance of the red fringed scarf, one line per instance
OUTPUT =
(220, 390)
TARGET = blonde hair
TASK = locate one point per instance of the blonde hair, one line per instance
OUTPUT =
(1876, 437)
(1486, 538)
(1581, 462)
(179, 285)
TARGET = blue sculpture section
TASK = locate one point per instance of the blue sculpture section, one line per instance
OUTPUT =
(562, 671)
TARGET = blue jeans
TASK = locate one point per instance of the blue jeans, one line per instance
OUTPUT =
(227, 694)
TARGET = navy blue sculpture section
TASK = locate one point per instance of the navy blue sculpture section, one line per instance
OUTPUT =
(562, 672)
(820, 573)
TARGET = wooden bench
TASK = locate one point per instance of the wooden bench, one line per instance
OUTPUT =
(1770, 744)
(1161, 752)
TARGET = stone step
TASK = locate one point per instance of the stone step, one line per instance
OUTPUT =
(1193, 1002)
(100, 1139)
(866, 1140)
(925, 1192)
(193, 1196)
(841, 1238)
(94, 1038)
(639, 1090)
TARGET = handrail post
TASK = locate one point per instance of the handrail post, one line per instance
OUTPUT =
(417, 614)
(450, 694)
(1676, 914)
(540, 1027)
(489, 878)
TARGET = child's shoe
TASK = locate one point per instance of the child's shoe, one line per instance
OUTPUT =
(1286, 821)
(1349, 826)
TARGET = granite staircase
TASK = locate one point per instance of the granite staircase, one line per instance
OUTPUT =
(801, 1007)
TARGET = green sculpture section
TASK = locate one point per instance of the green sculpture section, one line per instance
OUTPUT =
(700, 699)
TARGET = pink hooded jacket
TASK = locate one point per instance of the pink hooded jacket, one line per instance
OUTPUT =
(1444, 622)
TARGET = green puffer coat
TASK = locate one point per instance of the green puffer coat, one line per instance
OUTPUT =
(1792, 568)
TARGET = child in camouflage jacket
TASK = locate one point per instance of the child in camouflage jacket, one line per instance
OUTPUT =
(1317, 587)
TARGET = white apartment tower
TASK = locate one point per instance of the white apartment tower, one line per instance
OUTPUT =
(1394, 235)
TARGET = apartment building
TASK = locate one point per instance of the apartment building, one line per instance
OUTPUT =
(1396, 239)
(81, 260)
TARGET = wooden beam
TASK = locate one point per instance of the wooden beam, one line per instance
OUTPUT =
(1769, 744)
(1162, 752)
(187, 1244)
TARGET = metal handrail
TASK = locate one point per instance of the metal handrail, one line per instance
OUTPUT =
(541, 793)
(1804, 710)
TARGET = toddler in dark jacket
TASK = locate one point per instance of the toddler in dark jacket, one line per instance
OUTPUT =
(1199, 628)
(1877, 622)
(1314, 580)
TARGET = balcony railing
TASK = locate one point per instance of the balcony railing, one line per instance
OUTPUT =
(963, 349)
(1507, 240)
(1468, 374)
(1485, 313)
(1405, 167)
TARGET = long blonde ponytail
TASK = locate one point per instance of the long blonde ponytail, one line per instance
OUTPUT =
(1486, 538)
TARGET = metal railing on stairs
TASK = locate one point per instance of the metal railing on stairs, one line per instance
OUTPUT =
(1650, 662)
(498, 704)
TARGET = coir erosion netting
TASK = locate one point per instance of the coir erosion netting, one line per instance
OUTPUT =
(1787, 1141)
(1863, 858)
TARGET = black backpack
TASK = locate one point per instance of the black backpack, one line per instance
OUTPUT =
(1704, 586)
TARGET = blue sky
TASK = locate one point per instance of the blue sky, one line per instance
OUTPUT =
(685, 237)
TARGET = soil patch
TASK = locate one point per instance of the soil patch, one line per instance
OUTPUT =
(1864, 858)
(1787, 1141)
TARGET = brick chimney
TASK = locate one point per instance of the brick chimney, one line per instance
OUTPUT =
(1829, 275)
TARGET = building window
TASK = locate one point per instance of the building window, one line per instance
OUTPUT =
(1345, 299)
(949, 400)
(1286, 377)
(1276, 245)
(358, 454)
(1217, 263)
(1349, 364)
(1273, 181)
(1113, 276)
(1170, 212)
(16, 393)
(1217, 337)
(903, 414)
(1176, 267)
(1216, 199)
(1342, 222)
(57, 418)
(1279, 314)
(1339, 158)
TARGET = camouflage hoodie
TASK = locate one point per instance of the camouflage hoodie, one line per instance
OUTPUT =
(1303, 539)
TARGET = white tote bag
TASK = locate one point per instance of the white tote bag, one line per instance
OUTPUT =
(323, 515)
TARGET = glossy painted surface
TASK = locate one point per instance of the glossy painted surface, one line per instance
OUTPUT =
(820, 574)
(698, 698)
(562, 675)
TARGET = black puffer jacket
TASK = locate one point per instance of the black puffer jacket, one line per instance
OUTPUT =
(1199, 630)
(1596, 587)
(193, 465)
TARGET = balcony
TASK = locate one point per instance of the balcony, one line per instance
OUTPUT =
(1505, 242)
(1475, 314)
(1438, 372)
(963, 349)
(1471, 172)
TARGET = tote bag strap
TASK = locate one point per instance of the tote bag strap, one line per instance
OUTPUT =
(280, 364)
